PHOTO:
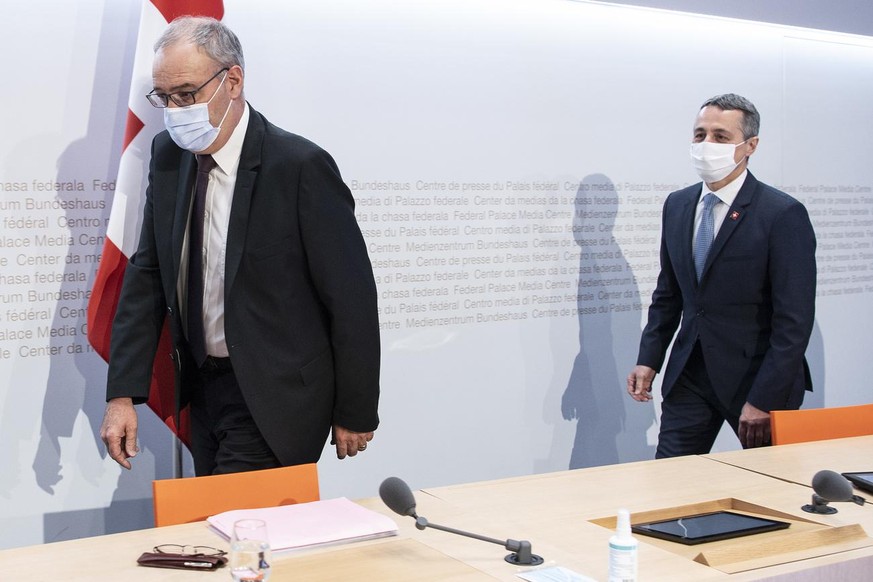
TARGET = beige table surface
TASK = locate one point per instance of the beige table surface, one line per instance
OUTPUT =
(553, 511)
(799, 462)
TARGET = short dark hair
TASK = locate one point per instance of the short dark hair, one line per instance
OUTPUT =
(731, 101)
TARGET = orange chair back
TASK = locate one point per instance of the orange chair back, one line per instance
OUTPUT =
(196, 498)
(817, 424)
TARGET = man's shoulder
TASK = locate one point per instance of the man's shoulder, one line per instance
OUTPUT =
(287, 142)
(770, 195)
(688, 193)
(692, 190)
(163, 144)
(166, 155)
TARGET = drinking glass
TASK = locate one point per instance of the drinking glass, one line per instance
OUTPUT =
(250, 551)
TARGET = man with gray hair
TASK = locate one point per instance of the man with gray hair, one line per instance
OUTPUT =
(250, 246)
(737, 280)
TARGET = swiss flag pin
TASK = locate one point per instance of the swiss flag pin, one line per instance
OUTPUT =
(734, 215)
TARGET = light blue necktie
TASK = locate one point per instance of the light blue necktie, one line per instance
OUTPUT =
(704, 233)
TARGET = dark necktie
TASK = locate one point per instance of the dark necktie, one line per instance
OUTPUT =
(704, 233)
(196, 250)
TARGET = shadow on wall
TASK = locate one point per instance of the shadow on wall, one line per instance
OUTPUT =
(76, 378)
(610, 426)
(71, 525)
(75, 390)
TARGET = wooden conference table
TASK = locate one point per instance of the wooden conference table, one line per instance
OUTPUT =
(554, 511)
(798, 463)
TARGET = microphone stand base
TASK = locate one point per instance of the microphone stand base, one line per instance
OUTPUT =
(534, 560)
(819, 509)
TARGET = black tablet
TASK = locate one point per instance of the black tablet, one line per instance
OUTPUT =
(708, 527)
(862, 480)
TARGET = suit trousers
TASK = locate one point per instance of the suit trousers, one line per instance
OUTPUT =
(224, 437)
(692, 414)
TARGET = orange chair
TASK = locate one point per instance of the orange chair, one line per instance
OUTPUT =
(817, 424)
(196, 498)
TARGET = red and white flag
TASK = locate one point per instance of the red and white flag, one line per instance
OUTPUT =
(122, 233)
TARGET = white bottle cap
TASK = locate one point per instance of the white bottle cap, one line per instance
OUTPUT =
(623, 526)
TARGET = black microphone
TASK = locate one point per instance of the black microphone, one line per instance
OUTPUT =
(830, 486)
(397, 495)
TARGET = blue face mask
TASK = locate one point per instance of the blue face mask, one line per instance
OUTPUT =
(190, 127)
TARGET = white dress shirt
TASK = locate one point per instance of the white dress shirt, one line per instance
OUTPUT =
(219, 198)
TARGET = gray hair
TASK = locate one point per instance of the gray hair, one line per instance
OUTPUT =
(731, 101)
(212, 36)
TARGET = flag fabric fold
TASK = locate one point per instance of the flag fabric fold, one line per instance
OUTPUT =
(122, 234)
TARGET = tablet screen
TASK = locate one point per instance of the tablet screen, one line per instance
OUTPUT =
(708, 527)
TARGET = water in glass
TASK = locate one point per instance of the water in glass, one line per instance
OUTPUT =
(250, 551)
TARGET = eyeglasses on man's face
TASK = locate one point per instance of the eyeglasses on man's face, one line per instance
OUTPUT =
(182, 98)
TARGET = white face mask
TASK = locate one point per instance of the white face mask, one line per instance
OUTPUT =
(190, 127)
(714, 161)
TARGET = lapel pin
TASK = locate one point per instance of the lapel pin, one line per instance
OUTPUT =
(734, 215)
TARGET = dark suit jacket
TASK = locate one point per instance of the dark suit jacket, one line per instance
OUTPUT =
(752, 311)
(301, 319)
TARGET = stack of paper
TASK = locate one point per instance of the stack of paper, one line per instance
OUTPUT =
(310, 524)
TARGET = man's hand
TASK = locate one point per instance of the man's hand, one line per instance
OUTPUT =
(639, 383)
(754, 427)
(349, 443)
(119, 430)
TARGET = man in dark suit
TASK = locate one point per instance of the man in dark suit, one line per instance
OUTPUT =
(738, 280)
(270, 294)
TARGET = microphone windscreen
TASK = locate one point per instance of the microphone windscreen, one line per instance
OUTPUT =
(397, 496)
(832, 486)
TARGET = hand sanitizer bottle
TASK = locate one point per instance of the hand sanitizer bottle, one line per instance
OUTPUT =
(623, 551)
